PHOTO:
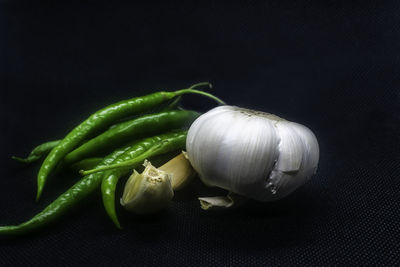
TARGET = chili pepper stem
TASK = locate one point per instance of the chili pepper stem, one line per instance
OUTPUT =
(194, 91)
(200, 85)
(129, 163)
(173, 104)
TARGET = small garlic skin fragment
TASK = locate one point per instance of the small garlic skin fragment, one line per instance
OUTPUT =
(147, 192)
(216, 202)
(251, 153)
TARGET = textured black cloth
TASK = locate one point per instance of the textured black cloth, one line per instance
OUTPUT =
(331, 65)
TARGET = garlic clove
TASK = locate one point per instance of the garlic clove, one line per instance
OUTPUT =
(290, 148)
(283, 181)
(180, 171)
(147, 192)
(281, 184)
(310, 148)
(214, 146)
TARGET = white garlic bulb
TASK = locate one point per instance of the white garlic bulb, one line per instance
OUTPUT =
(251, 153)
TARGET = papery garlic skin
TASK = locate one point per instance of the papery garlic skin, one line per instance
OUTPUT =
(251, 153)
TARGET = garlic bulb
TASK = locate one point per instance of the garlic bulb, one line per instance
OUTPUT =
(251, 153)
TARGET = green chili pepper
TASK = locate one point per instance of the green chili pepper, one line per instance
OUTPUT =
(108, 185)
(149, 147)
(85, 164)
(169, 105)
(45, 148)
(102, 119)
(135, 150)
(77, 166)
(162, 146)
(38, 152)
(130, 130)
(68, 199)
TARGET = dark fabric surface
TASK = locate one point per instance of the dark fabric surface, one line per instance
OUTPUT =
(333, 66)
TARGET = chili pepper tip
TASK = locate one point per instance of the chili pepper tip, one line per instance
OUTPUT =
(19, 159)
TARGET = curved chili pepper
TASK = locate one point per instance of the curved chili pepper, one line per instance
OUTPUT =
(68, 199)
(147, 125)
(85, 163)
(159, 147)
(102, 119)
(43, 149)
(135, 150)
(108, 185)
(38, 152)
(176, 141)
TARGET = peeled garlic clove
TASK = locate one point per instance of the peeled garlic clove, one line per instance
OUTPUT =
(180, 171)
(147, 192)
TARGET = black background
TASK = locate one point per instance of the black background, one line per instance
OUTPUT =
(333, 66)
